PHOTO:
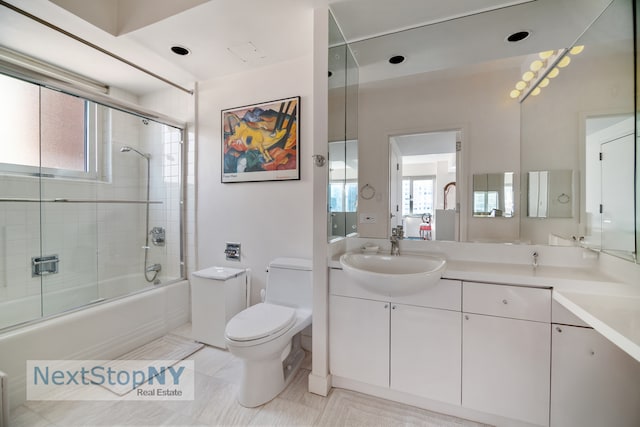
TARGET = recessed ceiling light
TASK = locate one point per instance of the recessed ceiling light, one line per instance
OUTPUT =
(518, 36)
(397, 59)
(180, 50)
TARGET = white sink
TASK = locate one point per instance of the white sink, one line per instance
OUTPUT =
(393, 275)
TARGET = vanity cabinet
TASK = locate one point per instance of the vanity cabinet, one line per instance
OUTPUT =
(412, 348)
(506, 351)
(593, 382)
(425, 352)
(359, 339)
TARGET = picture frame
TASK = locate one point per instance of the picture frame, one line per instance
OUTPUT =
(261, 142)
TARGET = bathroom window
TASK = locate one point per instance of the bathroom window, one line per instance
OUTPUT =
(45, 131)
(343, 196)
(417, 195)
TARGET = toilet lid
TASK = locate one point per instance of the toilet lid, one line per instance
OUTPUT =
(259, 321)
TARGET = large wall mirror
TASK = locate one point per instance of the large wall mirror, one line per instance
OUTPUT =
(540, 137)
(343, 136)
(580, 127)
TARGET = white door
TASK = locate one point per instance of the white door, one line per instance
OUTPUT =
(425, 352)
(618, 210)
(593, 382)
(395, 188)
(506, 367)
(359, 339)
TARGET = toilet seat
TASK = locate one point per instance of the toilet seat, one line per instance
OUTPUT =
(260, 321)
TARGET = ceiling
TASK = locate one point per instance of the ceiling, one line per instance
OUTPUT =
(233, 36)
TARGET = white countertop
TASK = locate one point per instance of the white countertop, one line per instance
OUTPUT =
(610, 307)
(616, 317)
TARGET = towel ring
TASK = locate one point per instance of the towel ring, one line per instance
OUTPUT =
(367, 192)
(563, 198)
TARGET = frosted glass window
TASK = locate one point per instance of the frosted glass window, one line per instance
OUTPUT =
(19, 122)
(41, 127)
(62, 124)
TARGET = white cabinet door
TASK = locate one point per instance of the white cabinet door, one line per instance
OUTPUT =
(359, 339)
(425, 352)
(506, 367)
(593, 382)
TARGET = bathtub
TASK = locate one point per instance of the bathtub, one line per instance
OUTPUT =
(28, 308)
(103, 330)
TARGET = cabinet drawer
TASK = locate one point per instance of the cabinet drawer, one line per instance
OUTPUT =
(516, 302)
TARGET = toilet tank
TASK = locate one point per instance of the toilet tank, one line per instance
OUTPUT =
(289, 282)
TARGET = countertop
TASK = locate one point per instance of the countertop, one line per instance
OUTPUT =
(610, 307)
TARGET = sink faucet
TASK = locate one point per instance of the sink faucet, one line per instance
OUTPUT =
(395, 247)
(535, 260)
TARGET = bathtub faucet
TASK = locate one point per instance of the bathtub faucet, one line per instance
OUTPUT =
(154, 267)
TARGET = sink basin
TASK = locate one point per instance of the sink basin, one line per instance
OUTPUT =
(393, 275)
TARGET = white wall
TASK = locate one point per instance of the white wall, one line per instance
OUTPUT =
(269, 219)
(478, 104)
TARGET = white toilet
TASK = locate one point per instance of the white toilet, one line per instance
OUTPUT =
(266, 336)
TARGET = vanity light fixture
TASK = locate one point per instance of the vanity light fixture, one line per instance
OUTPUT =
(545, 66)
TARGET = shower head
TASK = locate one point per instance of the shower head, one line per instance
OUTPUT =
(126, 149)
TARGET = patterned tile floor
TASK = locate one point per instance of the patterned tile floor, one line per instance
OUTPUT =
(216, 375)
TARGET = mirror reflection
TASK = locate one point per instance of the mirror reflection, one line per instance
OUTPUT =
(422, 184)
(493, 195)
(343, 187)
(343, 134)
(584, 67)
(550, 194)
(582, 108)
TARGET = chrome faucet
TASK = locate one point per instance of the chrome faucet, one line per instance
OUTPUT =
(396, 235)
(535, 260)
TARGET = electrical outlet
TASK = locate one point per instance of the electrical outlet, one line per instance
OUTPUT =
(368, 218)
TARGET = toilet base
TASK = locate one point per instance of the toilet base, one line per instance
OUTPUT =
(262, 380)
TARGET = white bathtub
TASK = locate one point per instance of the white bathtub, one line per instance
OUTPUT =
(100, 331)
(33, 307)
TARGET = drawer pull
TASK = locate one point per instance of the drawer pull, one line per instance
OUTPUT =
(466, 317)
(505, 302)
(386, 306)
(559, 329)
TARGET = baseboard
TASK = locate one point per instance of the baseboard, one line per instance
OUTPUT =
(320, 385)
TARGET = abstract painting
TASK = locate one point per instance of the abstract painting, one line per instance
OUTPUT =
(260, 142)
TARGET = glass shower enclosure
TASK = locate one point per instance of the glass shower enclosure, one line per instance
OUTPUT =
(90, 202)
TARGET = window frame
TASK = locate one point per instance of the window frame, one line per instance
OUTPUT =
(411, 179)
(94, 118)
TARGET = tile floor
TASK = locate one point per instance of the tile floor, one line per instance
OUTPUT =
(215, 405)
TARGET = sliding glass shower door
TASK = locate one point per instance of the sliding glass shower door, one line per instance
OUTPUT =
(90, 202)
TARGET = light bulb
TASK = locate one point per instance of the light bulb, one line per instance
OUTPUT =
(528, 76)
(564, 62)
(544, 82)
(553, 73)
(576, 49)
(546, 54)
(536, 91)
(536, 65)
(521, 85)
(514, 93)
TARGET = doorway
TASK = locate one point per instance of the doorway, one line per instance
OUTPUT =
(423, 192)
